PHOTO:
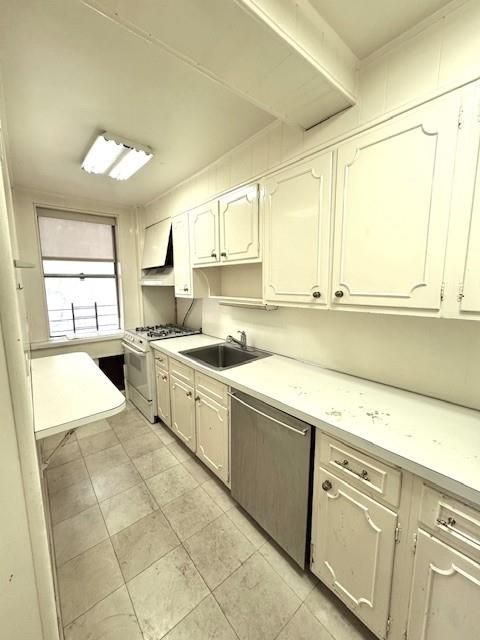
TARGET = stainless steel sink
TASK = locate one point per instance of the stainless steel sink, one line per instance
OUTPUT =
(224, 355)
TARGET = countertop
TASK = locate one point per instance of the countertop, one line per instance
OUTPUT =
(436, 440)
(69, 390)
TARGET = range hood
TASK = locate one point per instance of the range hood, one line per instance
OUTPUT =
(157, 257)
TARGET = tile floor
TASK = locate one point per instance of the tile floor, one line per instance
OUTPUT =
(149, 545)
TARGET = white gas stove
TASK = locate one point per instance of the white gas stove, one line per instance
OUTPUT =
(139, 365)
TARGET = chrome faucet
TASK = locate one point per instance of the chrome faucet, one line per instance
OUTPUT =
(243, 339)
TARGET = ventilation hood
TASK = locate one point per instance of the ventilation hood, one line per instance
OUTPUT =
(157, 257)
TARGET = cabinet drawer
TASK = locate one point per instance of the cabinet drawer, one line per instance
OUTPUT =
(371, 476)
(451, 520)
(181, 371)
(161, 361)
(211, 388)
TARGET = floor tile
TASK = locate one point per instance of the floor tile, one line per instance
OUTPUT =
(66, 453)
(171, 484)
(111, 619)
(166, 592)
(218, 549)
(87, 579)
(163, 432)
(115, 480)
(67, 502)
(256, 601)
(142, 444)
(154, 462)
(127, 507)
(334, 615)
(191, 512)
(98, 442)
(65, 475)
(49, 444)
(180, 451)
(198, 470)
(131, 427)
(106, 459)
(92, 429)
(77, 534)
(142, 543)
(127, 415)
(303, 626)
(205, 622)
(220, 494)
(302, 582)
(247, 526)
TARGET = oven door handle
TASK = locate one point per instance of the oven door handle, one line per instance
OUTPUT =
(129, 347)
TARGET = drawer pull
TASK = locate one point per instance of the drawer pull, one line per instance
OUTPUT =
(363, 474)
(450, 523)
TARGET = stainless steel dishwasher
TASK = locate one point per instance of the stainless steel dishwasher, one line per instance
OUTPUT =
(271, 471)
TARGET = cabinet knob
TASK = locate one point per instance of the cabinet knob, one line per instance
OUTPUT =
(197, 398)
(224, 254)
(185, 288)
(326, 485)
(213, 254)
(316, 294)
(188, 394)
(339, 294)
(164, 378)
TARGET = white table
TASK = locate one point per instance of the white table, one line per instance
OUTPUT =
(69, 390)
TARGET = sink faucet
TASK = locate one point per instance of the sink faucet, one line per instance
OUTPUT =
(243, 339)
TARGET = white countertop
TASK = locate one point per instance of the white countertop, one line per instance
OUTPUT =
(69, 390)
(436, 440)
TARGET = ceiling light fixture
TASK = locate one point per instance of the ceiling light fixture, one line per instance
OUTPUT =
(116, 157)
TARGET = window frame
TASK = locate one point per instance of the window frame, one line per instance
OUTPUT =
(75, 214)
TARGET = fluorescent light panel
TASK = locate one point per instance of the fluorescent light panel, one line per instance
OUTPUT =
(118, 158)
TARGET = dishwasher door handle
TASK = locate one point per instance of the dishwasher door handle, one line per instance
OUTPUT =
(299, 432)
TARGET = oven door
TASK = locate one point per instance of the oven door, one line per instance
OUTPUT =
(137, 372)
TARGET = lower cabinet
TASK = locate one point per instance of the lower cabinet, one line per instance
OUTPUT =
(163, 395)
(353, 548)
(212, 435)
(183, 412)
(445, 593)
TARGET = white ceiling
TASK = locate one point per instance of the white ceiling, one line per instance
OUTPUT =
(366, 25)
(69, 72)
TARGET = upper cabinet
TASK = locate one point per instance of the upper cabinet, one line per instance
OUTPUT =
(226, 230)
(297, 233)
(392, 210)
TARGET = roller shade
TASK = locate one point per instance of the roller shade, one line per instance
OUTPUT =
(76, 237)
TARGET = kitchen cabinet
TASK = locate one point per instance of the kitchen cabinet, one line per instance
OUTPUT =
(226, 230)
(212, 435)
(445, 588)
(181, 257)
(353, 548)
(392, 207)
(297, 233)
(183, 411)
(163, 394)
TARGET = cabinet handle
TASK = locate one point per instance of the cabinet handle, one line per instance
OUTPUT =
(339, 294)
(164, 378)
(197, 398)
(363, 474)
(326, 485)
(188, 394)
(224, 254)
(213, 254)
(450, 523)
(185, 288)
(316, 294)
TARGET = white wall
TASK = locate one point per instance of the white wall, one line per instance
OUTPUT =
(431, 356)
(28, 247)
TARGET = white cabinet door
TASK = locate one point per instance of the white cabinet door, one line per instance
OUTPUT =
(470, 294)
(445, 593)
(181, 256)
(297, 233)
(239, 225)
(204, 234)
(392, 208)
(354, 545)
(183, 412)
(212, 435)
(163, 395)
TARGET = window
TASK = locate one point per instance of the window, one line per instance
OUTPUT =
(80, 272)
